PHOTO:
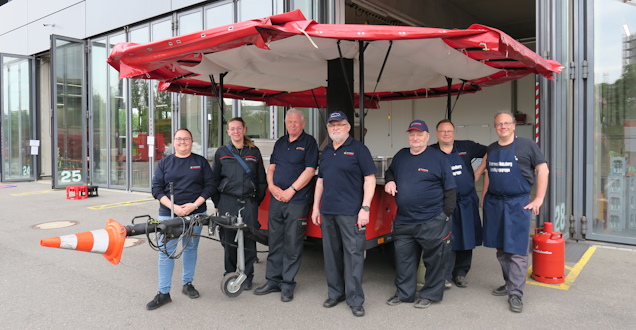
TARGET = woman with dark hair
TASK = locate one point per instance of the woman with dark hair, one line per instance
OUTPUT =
(239, 174)
(190, 177)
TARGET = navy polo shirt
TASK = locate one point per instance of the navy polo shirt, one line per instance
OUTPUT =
(343, 171)
(291, 159)
(420, 181)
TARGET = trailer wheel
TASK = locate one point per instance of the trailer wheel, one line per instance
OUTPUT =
(230, 287)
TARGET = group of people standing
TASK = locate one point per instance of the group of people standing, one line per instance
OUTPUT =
(437, 217)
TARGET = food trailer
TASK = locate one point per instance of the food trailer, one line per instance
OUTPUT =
(287, 60)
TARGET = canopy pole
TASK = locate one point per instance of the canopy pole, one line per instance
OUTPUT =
(361, 91)
(449, 81)
(219, 96)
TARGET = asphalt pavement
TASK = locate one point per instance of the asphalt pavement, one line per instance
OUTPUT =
(48, 288)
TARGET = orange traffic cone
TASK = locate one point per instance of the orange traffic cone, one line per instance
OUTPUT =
(108, 241)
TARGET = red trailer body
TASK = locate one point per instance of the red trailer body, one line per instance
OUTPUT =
(382, 213)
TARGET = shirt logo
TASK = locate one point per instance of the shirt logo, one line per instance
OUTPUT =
(422, 170)
(251, 159)
(195, 167)
(349, 153)
(300, 148)
(463, 153)
(457, 170)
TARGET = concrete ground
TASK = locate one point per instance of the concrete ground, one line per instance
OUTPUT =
(46, 288)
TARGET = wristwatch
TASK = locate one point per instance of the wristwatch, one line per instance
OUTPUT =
(366, 208)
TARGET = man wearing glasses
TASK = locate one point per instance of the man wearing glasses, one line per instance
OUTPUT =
(345, 186)
(421, 180)
(511, 163)
(467, 232)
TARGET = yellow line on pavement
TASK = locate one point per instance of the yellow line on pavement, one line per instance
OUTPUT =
(572, 275)
(110, 206)
(32, 193)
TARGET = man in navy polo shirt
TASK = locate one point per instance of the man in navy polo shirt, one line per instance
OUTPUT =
(422, 182)
(345, 185)
(292, 167)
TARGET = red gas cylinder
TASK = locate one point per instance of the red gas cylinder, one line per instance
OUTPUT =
(548, 255)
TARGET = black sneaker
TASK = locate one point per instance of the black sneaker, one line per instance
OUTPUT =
(190, 291)
(500, 291)
(160, 300)
(516, 305)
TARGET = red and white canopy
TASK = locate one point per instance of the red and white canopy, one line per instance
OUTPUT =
(282, 60)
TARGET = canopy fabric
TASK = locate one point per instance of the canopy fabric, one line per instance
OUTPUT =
(282, 60)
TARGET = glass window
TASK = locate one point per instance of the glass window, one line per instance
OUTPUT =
(161, 101)
(69, 116)
(17, 112)
(256, 116)
(615, 119)
(254, 9)
(161, 30)
(162, 114)
(99, 96)
(190, 115)
(118, 132)
(140, 120)
(190, 22)
(215, 129)
(219, 15)
(305, 6)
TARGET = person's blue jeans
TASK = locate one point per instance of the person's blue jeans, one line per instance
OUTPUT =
(189, 257)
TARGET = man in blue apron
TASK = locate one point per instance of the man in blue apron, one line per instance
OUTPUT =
(467, 232)
(420, 178)
(511, 163)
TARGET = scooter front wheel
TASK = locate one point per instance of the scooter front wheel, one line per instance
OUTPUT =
(230, 285)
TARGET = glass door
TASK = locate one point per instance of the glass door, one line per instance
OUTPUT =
(19, 145)
(68, 90)
(613, 202)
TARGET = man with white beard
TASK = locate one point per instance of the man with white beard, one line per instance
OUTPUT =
(345, 186)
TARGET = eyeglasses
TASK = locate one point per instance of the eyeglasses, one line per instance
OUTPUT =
(506, 124)
(240, 128)
(446, 132)
(336, 125)
(182, 140)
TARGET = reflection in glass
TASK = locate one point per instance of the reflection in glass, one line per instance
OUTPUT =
(256, 116)
(162, 122)
(191, 22)
(99, 149)
(190, 110)
(254, 9)
(140, 122)
(216, 131)
(16, 118)
(118, 132)
(219, 15)
(615, 119)
(69, 80)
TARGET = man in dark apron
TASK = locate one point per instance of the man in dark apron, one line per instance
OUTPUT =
(467, 232)
(511, 163)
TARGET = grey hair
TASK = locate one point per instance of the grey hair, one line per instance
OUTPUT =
(506, 113)
(293, 111)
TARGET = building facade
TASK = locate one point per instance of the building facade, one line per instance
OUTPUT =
(67, 117)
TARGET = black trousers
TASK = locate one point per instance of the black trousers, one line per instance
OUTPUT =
(231, 205)
(343, 249)
(459, 263)
(286, 226)
(430, 240)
